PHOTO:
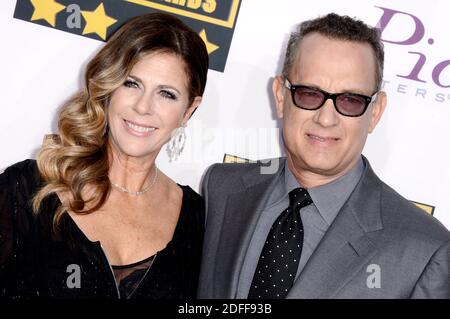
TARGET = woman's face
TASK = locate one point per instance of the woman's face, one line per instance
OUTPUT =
(150, 104)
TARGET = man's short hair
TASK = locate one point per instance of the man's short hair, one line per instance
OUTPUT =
(338, 27)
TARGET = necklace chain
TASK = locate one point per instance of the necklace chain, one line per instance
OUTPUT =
(143, 191)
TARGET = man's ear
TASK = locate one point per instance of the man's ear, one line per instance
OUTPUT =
(191, 109)
(377, 110)
(278, 94)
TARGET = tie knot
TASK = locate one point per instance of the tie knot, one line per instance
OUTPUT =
(299, 198)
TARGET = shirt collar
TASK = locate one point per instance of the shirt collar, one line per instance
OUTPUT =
(329, 198)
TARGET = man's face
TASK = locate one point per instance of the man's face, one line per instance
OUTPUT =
(324, 144)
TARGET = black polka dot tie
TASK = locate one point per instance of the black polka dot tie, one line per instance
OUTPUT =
(278, 263)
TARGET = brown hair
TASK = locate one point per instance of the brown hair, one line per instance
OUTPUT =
(78, 156)
(342, 28)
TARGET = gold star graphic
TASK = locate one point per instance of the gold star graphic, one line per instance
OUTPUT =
(97, 21)
(47, 10)
(211, 47)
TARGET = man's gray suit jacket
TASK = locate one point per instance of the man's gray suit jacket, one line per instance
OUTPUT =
(379, 246)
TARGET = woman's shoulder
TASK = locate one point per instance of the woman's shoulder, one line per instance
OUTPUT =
(191, 197)
(24, 169)
(23, 176)
(193, 205)
(24, 166)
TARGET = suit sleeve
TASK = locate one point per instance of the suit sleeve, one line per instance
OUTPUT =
(205, 284)
(204, 188)
(434, 283)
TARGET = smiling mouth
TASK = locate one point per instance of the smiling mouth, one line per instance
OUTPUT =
(321, 138)
(139, 128)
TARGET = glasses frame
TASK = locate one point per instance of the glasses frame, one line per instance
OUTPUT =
(327, 96)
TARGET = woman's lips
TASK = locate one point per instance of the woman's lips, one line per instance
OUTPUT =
(139, 130)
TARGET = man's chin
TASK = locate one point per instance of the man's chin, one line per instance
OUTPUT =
(324, 166)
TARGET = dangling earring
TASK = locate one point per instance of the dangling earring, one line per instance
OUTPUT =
(176, 144)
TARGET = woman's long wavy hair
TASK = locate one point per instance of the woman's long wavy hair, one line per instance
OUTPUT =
(78, 156)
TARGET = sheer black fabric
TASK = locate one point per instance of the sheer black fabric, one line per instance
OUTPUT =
(36, 262)
(129, 277)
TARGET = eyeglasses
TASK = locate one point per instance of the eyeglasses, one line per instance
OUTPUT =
(310, 98)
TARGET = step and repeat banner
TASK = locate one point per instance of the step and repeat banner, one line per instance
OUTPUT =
(47, 43)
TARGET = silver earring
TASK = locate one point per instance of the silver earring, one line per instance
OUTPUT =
(176, 144)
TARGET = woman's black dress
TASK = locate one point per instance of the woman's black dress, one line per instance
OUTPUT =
(36, 262)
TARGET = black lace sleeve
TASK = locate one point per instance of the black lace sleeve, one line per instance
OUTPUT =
(17, 186)
(6, 227)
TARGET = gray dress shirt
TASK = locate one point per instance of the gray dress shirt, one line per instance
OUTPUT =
(327, 201)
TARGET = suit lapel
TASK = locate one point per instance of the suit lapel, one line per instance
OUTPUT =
(346, 246)
(242, 212)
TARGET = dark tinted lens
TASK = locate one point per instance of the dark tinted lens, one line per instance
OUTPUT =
(350, 104)
(308, 98)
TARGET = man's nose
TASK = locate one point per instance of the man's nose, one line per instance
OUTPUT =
(327, 114)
